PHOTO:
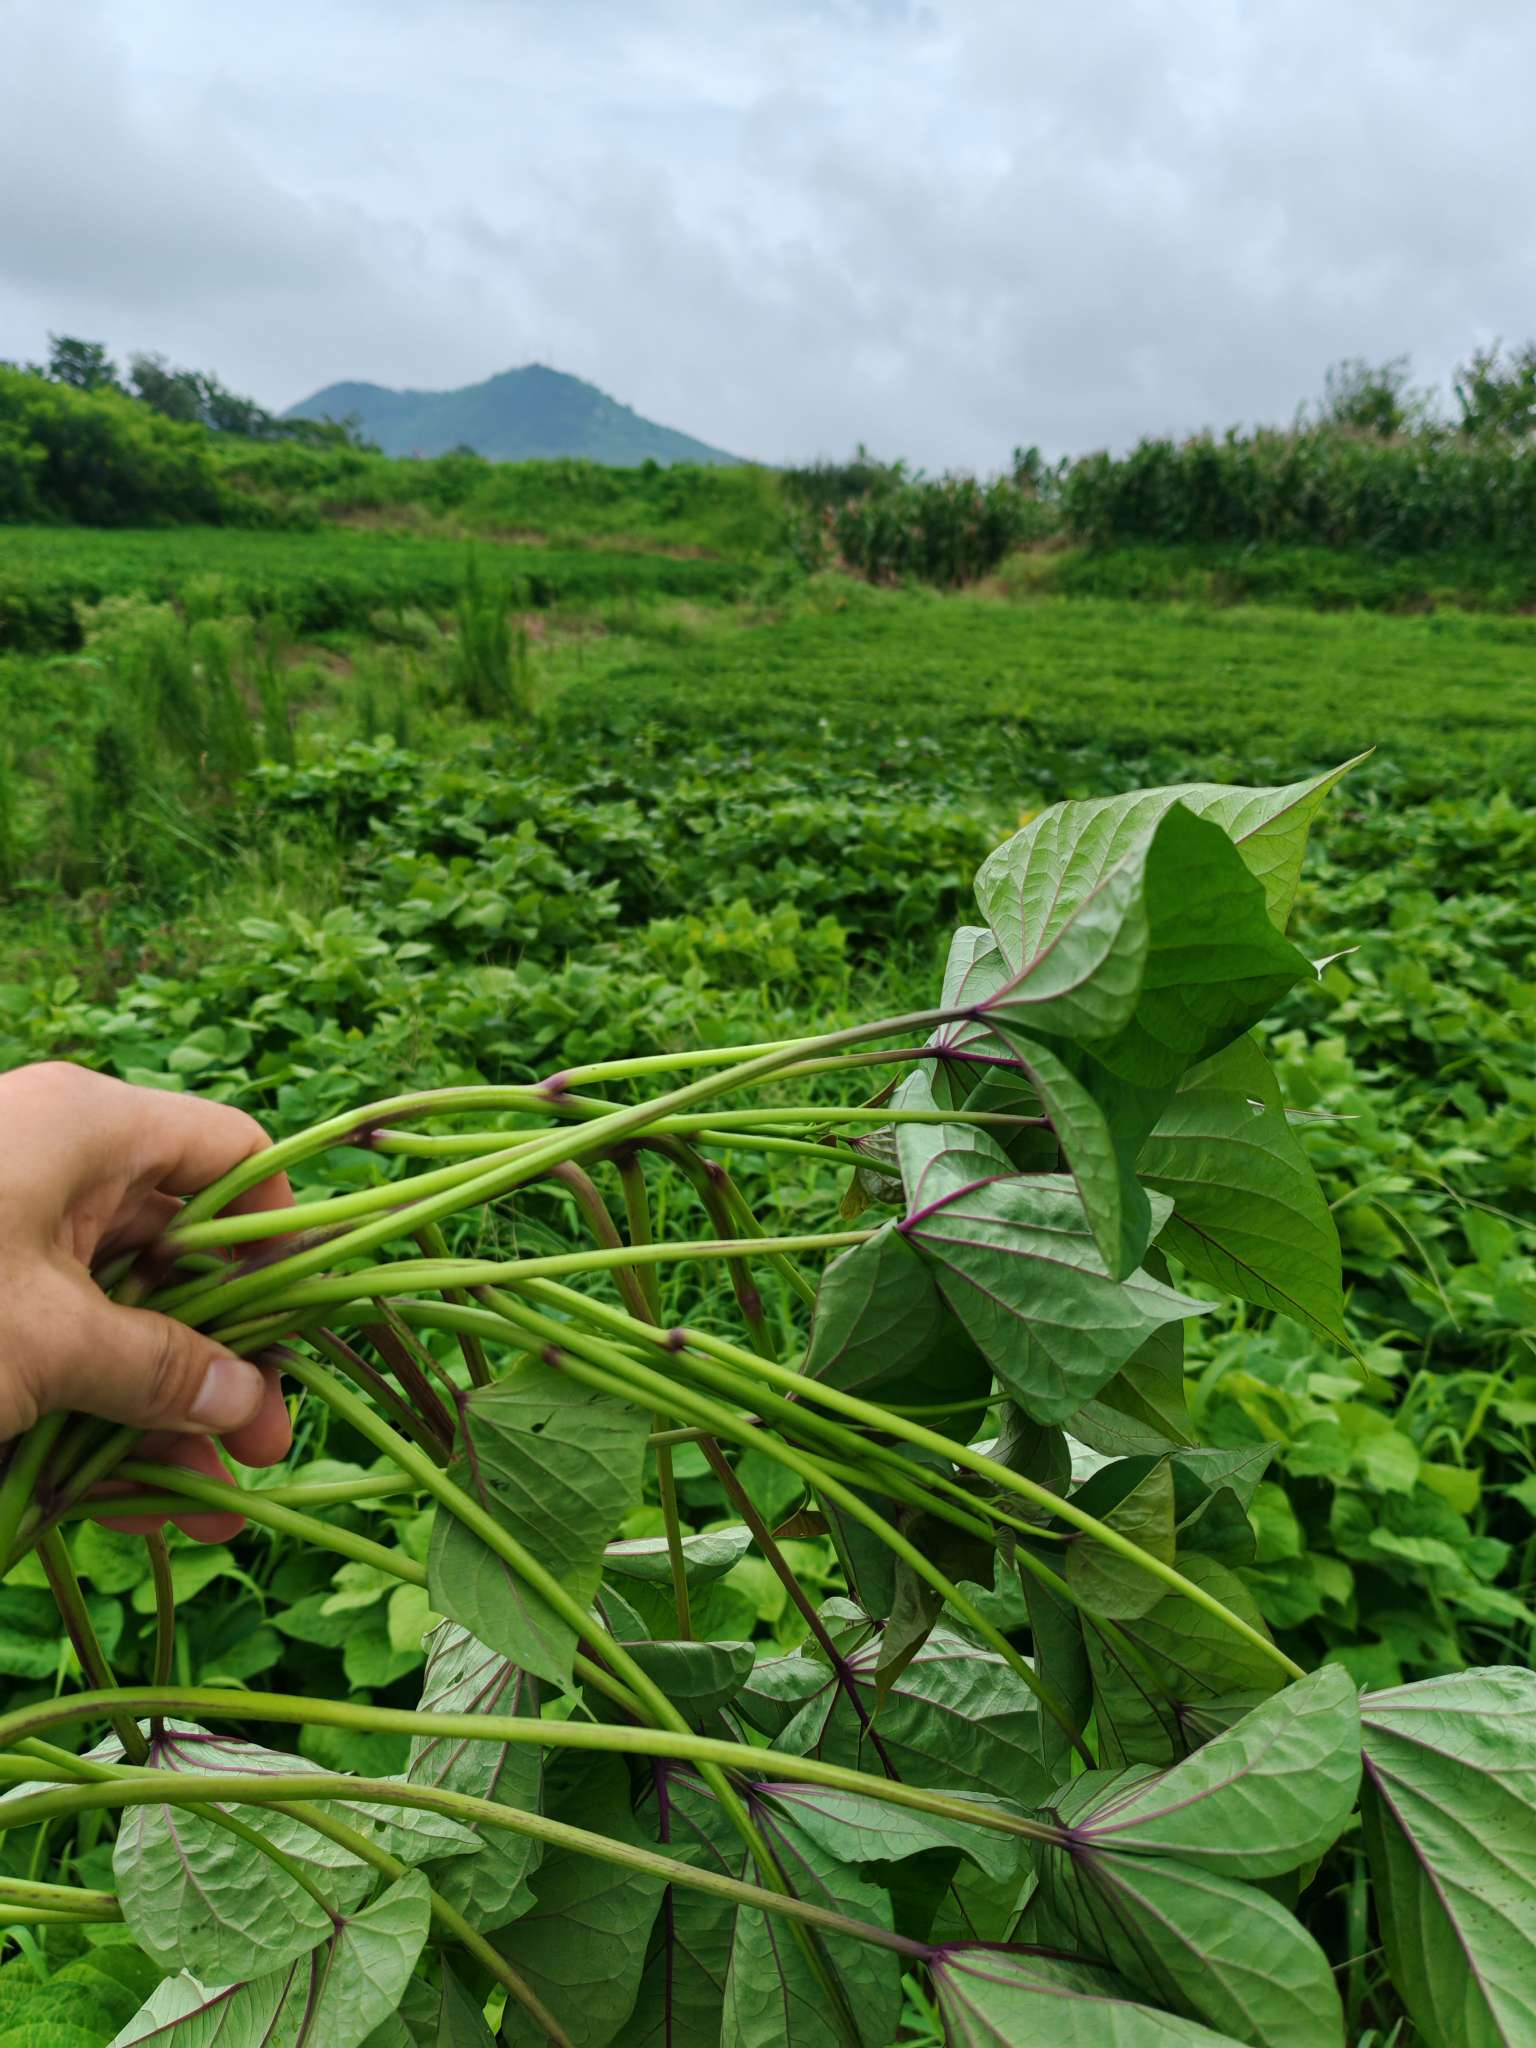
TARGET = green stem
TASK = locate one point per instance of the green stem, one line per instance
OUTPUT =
(65, 1899)
(586, 1628)
(883, 1420)
(220, 1703)
(29, 1454)
(531, 1162)
(76, 1617)
(435, 1246)
(639, 1380)
(452, 1922)
(637, 1214)
(171, 1481)
(280, 1288)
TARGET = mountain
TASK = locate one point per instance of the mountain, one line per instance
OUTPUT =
(520, 414)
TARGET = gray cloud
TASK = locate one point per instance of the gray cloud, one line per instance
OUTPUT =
(939, 226)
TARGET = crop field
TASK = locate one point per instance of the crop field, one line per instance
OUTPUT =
(308, 819)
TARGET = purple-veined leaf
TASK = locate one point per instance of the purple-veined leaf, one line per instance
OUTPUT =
(1018, 1264)
(1206, 1676)
(1449, 1809)
(200, 1899)
(334, 1996)
(1223, 1953)
(464, 1677)
(1002, 1998)
(1132, 926)
(559, 1467)
(1248, 1212)
(1265, 1796)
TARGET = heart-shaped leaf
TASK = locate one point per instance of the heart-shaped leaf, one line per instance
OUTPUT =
(1226, 1954)
(1207, 1675)
(1017, 1262)
(464, 1677)
(956, 1717)
(200, 1898)
(582, 1946)
(1449, 1808)
(882, 1329)
(1265, 1796)
(1248, 1212)
(720, 1974)
(332, 1997)
(1133, 926)
(559, 1467)
(997, 1998)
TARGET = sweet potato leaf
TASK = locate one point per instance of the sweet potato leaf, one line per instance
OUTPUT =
(1000, 1998)
(1225, 1954)
(1263, 1797)
(1017, 1262)
(1248, 1213)
(334, 1996)
(1449, 1808)
(464, 1677)
(559, 1467)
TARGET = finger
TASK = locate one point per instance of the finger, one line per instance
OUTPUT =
(181, 1144)
(189, 1454)
(140, 1221)
(132, 1366)
(268, 1437)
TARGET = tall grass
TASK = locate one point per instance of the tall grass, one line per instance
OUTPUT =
(1407, 494)
(490, 662)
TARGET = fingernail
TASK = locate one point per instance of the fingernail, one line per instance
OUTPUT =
(230, 1394)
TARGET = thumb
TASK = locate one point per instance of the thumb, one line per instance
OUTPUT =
(132, 1366)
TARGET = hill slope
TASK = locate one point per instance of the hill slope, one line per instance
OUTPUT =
(514, 417)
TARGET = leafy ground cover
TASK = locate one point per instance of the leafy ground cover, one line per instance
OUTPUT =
(732, 823)
(315, 581)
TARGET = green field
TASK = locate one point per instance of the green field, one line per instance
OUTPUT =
(271, 826)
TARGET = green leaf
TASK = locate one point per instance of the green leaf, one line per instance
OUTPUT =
(333, 1997)
(681, 1998)
(1100, 1161)
(1449, 1809)
(1018, 1264)
(1248, 1213)
(1223, 1953)
(698, 1678)
(772, 2000)
(31, 1639)
(1109, 1584)
(441, 2015)
(582, 1946)
(957, 1718)
(1132, 926)
(200, 1899)
(1143, 1407)
(858, 1829)
(993, 1998)
(107, 1559)
(882, 1330)
(707, 1556)
(717, 1974)
(559, 1466)
(1265, 1796)
(464, 1677)
(1207, 1675)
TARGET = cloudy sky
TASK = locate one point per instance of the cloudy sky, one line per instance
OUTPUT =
(942, 227)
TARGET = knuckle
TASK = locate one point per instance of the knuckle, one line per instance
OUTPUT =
(167, 1369)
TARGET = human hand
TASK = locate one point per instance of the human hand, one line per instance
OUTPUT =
(90, 1168)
